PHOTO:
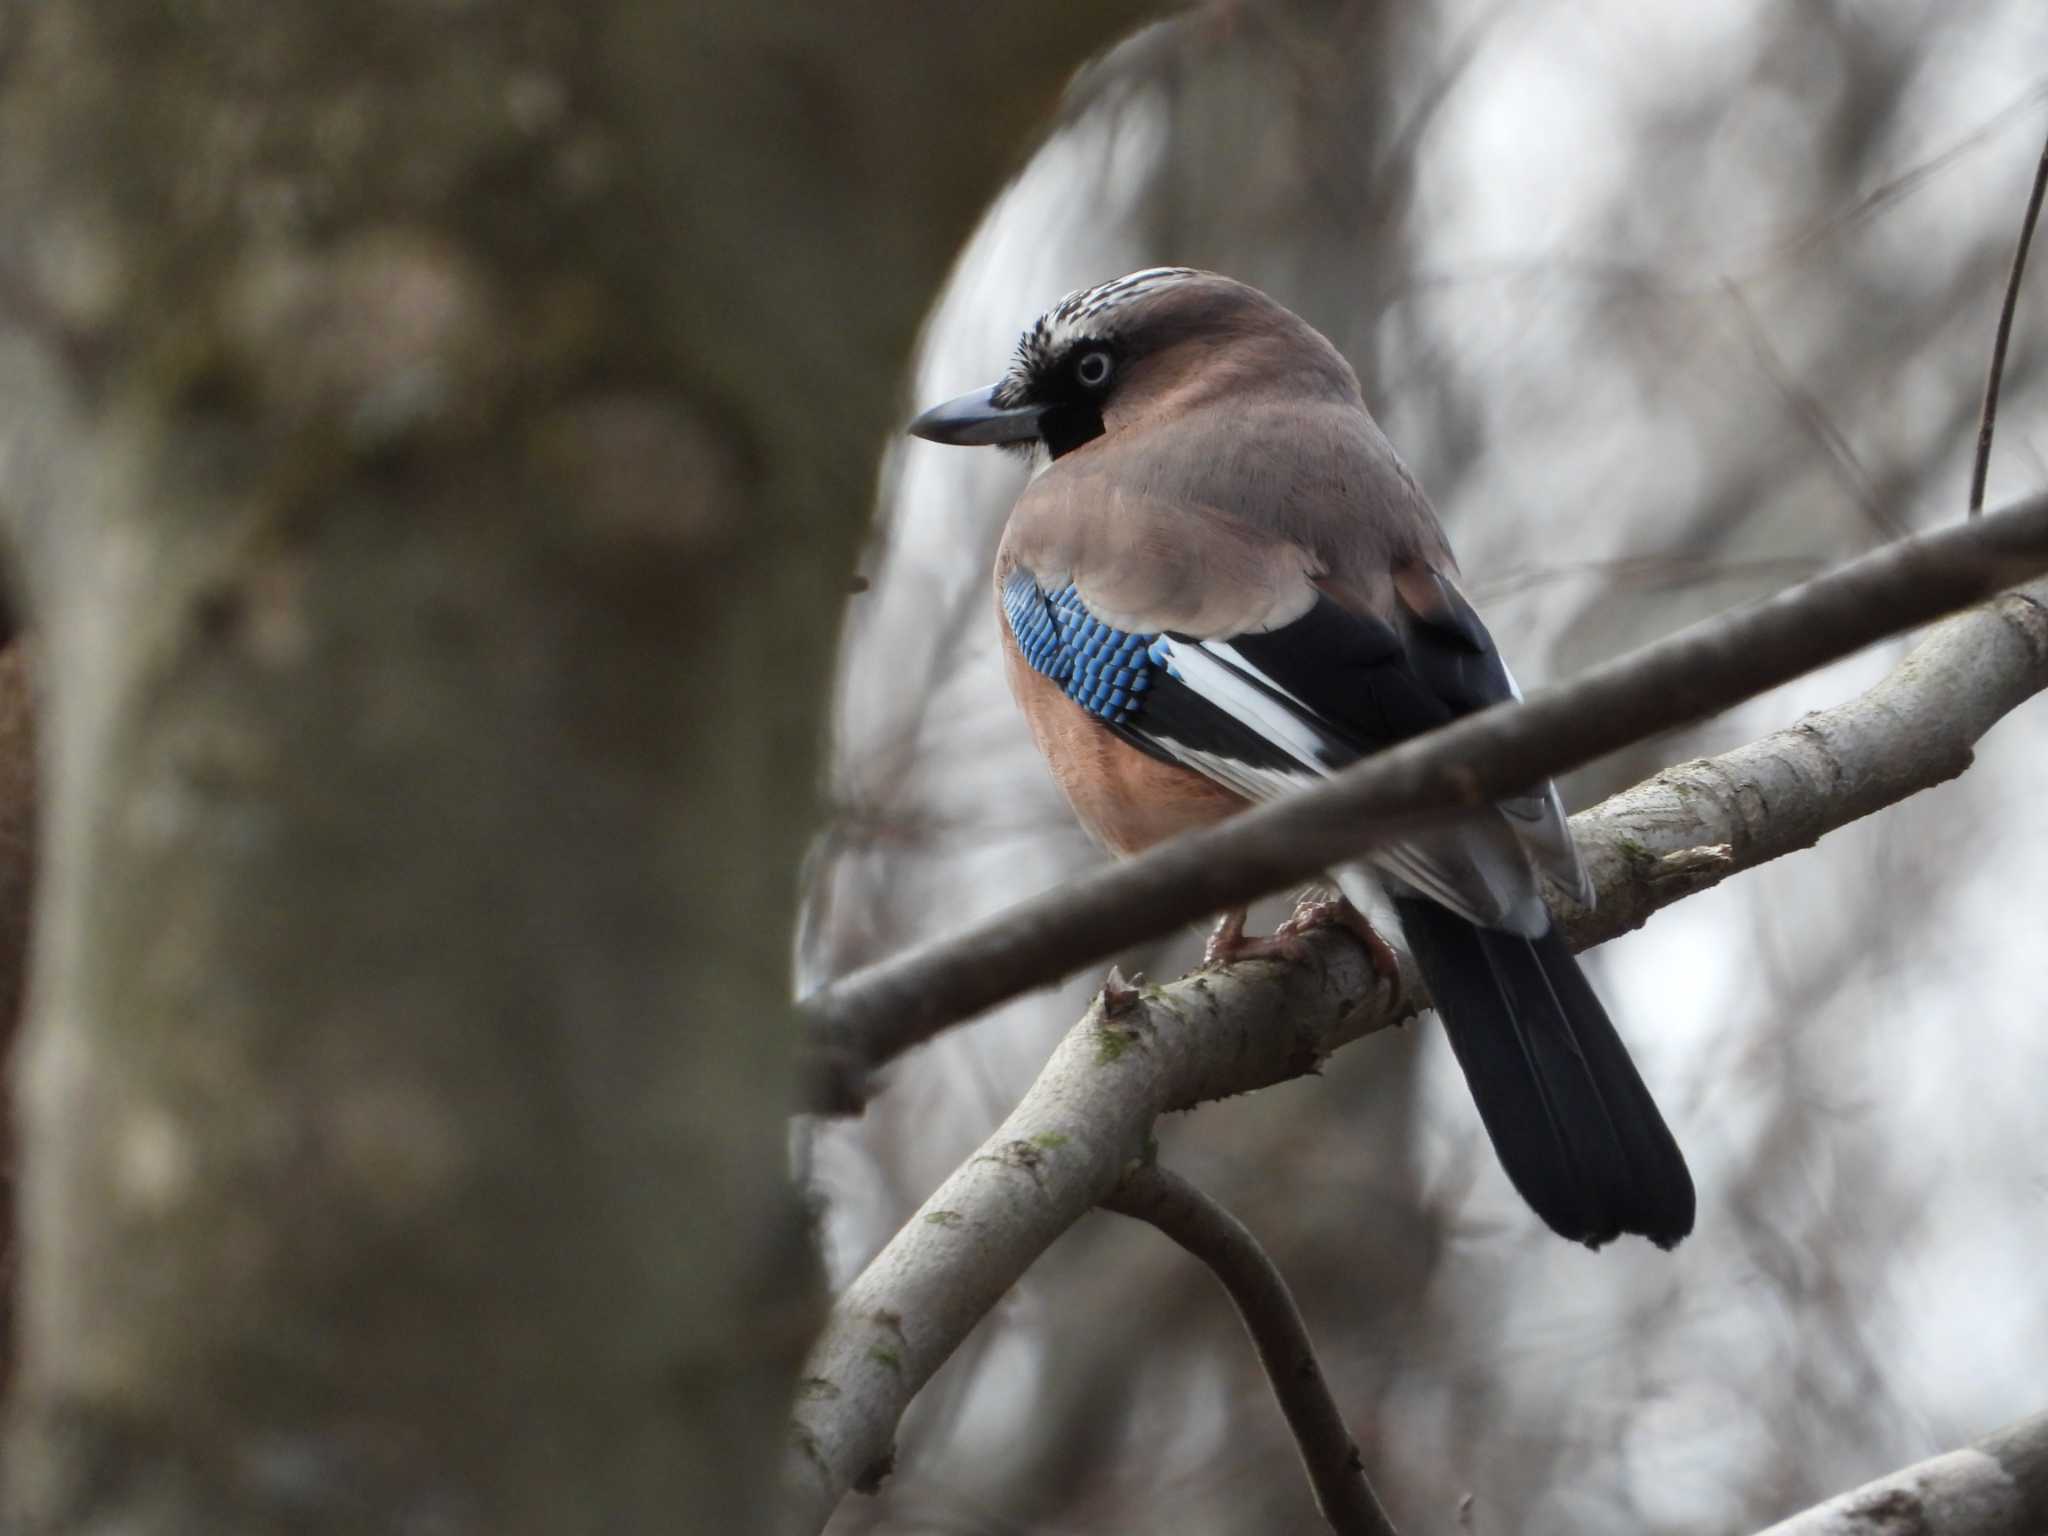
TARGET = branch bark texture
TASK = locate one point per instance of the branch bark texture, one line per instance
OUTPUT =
(875, 1014)
(1084, 1122)
(1087, 1118)
(1695, 824)
(1996, 1487)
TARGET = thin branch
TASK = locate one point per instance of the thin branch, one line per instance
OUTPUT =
(1996, 1487)
(1981, 469)
(1772, 258)
(1257, 1289)
(1812, 415)
(867, 1018)
(1897, 188)
(1696, 823)
(1393, 167)
(1219, 1033)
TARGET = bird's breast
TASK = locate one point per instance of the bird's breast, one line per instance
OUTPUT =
(1127, 799)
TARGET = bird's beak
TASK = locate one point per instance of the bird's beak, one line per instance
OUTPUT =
(975, 420)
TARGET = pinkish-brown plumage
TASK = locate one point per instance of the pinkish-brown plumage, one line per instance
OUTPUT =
(1222, 585)
(1126, 799)
(1203, 509)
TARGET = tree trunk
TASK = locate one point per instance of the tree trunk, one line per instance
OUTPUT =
(437, 440)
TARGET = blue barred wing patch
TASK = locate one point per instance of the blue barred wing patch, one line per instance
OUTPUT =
(1106, 671)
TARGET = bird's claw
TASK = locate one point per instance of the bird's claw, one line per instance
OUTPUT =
(1229, 944)
(1316, 912)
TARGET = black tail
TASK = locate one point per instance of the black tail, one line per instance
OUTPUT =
(1570, 1120)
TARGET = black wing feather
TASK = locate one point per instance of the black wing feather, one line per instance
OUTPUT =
(1568, 1114)
(1569, 1117)
(1354, 672)
(1176, 713)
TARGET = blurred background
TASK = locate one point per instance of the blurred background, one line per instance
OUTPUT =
(1667, 306)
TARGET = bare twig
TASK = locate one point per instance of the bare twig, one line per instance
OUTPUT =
(1392, 173)
(1812, 415)
(1257, 1289)
(1897, 188)
(875, 1014)
(1981, 468)
(1996, 1487)
(1154, 1049)
(1671, 273)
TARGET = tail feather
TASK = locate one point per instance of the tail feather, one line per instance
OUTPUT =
(1569, 1117)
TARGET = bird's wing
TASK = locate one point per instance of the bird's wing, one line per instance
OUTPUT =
(1458, 660)
(1266, 713)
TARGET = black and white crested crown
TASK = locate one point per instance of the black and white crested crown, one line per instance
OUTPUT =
(1082, 313)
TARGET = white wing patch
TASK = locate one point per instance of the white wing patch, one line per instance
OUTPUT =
(1545, 830)
(1256, 784)
(1484, 870)
(1215, 671)
(1208, 674)
(1235, 657)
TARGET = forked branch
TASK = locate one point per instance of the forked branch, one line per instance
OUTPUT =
(1266, 1306)
(1152, 1049)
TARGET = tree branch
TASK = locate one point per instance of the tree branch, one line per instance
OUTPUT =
(1061, 1151)
(1996, 1487)
(1693, 825)
(1980, 468)
(1218, 1033)
(1257, 1289)
(867, 1018)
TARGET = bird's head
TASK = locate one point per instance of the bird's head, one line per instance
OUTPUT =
(1138, 349)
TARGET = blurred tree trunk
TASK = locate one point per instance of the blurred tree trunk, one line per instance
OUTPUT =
(17, 882)
(436, 440)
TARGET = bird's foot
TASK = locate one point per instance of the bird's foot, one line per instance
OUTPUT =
(1313, 912)
(1229, 943)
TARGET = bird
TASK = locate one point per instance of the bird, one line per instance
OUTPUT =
(1221, 584)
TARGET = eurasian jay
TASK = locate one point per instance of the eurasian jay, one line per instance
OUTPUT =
(1221, 584)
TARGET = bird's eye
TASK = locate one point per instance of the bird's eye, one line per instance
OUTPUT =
(1093, 369)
